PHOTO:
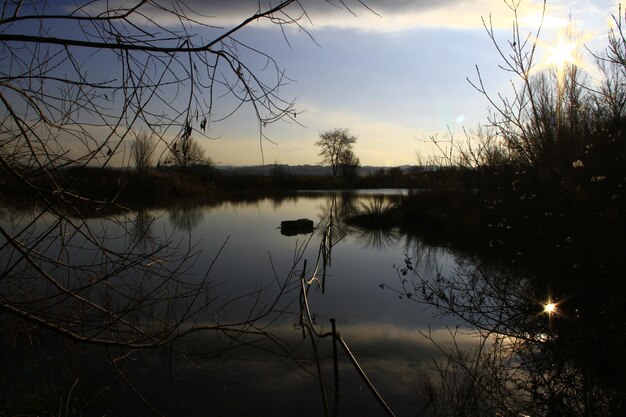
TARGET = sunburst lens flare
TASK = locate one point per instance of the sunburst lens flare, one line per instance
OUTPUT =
(549, 308)
(562, 54)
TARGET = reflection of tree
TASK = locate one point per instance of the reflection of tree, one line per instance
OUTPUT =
(424, 255)
(338, 206)
(372, 220)
(345, 204)
(186, 217)
(140, 231)
(376, 238)
(373, 233)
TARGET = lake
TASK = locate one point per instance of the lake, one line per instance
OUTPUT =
(217, 310)
(254, 270)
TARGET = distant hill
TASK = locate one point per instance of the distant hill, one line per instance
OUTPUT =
(310, 170)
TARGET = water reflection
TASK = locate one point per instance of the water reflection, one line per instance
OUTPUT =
(529, 360)
(185, 217)
(240, 294)
(142, 224)
(369, 221)
(213, 290)
(378, 238)
(256, 378)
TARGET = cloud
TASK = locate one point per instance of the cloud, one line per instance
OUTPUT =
(389, 16)
(394, 15)
(370, 15)
(373, 15)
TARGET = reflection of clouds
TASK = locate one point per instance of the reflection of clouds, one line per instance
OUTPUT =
(244, 381)
(382, 341)
(392, 356)
(401, 341)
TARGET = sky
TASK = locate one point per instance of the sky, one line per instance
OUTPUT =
(394, 73)
(394, 77)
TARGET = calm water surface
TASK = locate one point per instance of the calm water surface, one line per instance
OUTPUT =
(256, 254)
(240, 249)
(382, 330)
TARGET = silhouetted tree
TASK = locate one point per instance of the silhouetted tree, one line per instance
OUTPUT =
(58, 111)
(187, 152)
(165, 69)
(333, 146)
(142, 150)
(349, 164)
(545, 240)
(549, 118)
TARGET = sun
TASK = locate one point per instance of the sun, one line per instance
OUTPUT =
(562, 54)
